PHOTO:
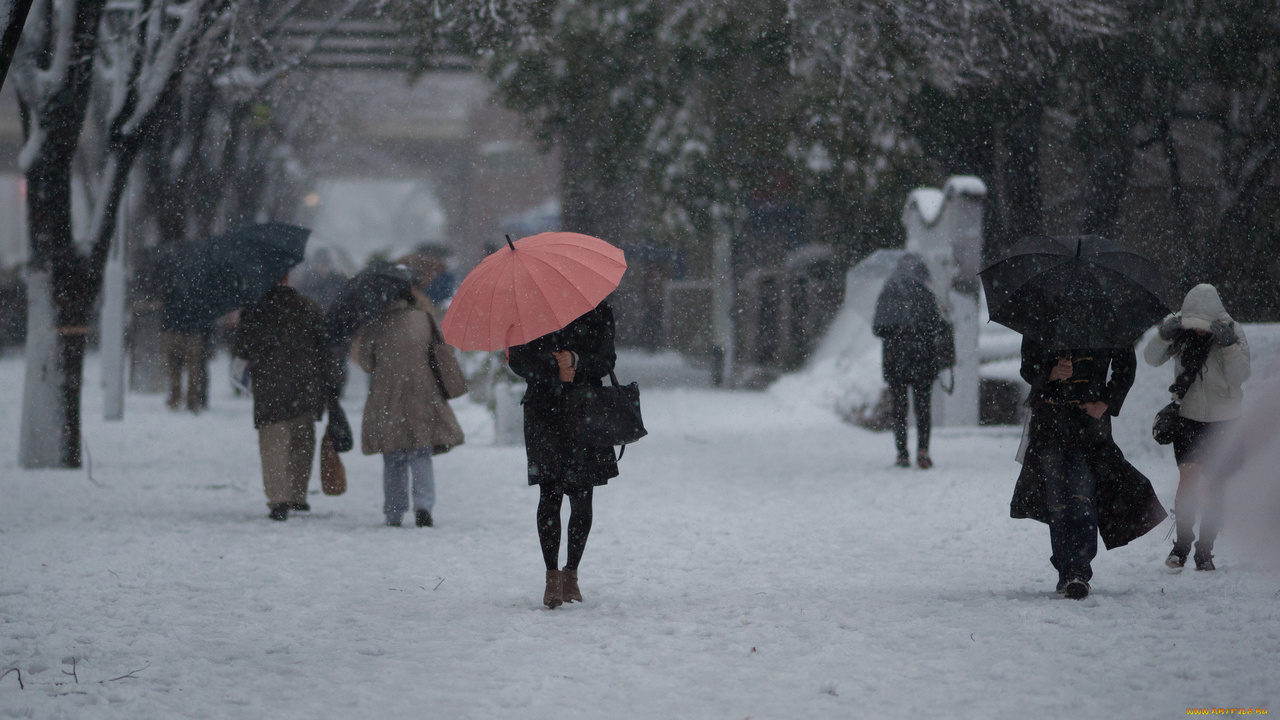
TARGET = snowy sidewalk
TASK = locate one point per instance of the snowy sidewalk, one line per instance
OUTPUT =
(752, 561)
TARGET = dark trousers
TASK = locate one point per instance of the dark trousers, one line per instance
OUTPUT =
(922, 393)
(1073, 511)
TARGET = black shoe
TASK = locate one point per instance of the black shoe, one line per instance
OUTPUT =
(279, 511)
(1204, 562)
(1076, 589)
(422, 518)
(394, 521)
(903, 461)
(300, 506)
(1176, 560)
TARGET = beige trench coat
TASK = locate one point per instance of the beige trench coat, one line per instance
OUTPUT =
(405, 409)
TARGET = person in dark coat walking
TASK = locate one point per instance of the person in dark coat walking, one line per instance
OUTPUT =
(187, 332)
(282, 337)
(559, 464)
(1074, 477)
(909, 323)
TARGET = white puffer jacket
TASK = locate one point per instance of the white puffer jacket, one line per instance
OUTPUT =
(1216, 394)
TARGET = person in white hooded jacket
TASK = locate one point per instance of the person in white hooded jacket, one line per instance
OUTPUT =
(1211, 363)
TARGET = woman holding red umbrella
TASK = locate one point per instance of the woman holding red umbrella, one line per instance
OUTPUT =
(542, 298)
(559, 464)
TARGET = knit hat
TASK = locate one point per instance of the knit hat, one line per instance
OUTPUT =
(1202, 307)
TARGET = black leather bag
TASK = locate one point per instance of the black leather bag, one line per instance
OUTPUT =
(605, 415)
(1167, 423)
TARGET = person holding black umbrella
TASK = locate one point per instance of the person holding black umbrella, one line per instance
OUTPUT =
(1211, 363)
(911, 327)
(1081, 304)
(281, 335)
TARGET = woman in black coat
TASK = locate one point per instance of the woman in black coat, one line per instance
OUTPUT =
(580, 354)
(908, 321)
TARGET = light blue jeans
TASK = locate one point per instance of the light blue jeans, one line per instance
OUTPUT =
(395, 481)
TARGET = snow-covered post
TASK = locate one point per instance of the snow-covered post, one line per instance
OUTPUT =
(113, 325)
(722, 289)
(944, 227)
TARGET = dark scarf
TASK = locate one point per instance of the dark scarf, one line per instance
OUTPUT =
(1193, 349)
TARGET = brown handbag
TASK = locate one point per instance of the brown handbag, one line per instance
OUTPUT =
(453, 384)
(333, 476)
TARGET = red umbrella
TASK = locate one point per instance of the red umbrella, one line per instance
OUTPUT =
(532, 287)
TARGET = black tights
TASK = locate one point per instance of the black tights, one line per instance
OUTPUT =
(549, 502)
(922, 393)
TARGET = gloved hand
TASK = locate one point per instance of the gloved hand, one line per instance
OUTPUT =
(1171, 325)
(1224, 333)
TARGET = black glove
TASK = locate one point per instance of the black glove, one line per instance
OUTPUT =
(1224, 333)
(1170, 327)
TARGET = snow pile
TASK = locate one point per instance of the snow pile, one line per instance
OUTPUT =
(844, 374)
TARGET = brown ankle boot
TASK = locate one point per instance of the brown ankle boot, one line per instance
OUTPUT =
(569, 585)
(553, 596)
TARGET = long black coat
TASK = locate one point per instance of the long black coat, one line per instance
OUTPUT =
(1127, 504)
(554, 456)
(908, 321)
(282, 337)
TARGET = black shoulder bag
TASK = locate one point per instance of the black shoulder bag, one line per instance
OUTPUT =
(605, 415)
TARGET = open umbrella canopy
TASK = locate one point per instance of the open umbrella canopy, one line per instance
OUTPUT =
(363, 297)
(1074, 292)
(229, 271)
(532, 287)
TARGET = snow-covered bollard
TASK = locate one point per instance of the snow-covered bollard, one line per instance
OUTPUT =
(508, 416)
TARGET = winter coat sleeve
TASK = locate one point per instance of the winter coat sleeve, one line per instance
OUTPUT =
(534, 362)
(1036, 364)
(1124, 367)
(1236, 359)
(365, 348)
(597, 359)
(1158, 351)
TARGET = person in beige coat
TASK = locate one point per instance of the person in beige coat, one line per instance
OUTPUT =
(406, 417)
(1211, 363)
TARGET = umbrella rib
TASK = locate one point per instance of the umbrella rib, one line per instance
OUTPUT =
(574, 287)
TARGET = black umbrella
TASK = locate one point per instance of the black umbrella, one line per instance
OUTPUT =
(363, 297)
(1075, 292)
(233, 270)
(906, 300)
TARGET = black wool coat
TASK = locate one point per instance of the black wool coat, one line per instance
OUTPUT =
(908, 321)
(554, 456)
(1127, 504)
(282, 337)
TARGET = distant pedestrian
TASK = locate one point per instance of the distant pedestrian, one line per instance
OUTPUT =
(907, 319)
(1211, 363)
(561, 465)
(406, 417)
(186, 333)
(1074, 477)
(282, 338)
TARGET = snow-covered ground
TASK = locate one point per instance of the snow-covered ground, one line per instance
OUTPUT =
(757, 558)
